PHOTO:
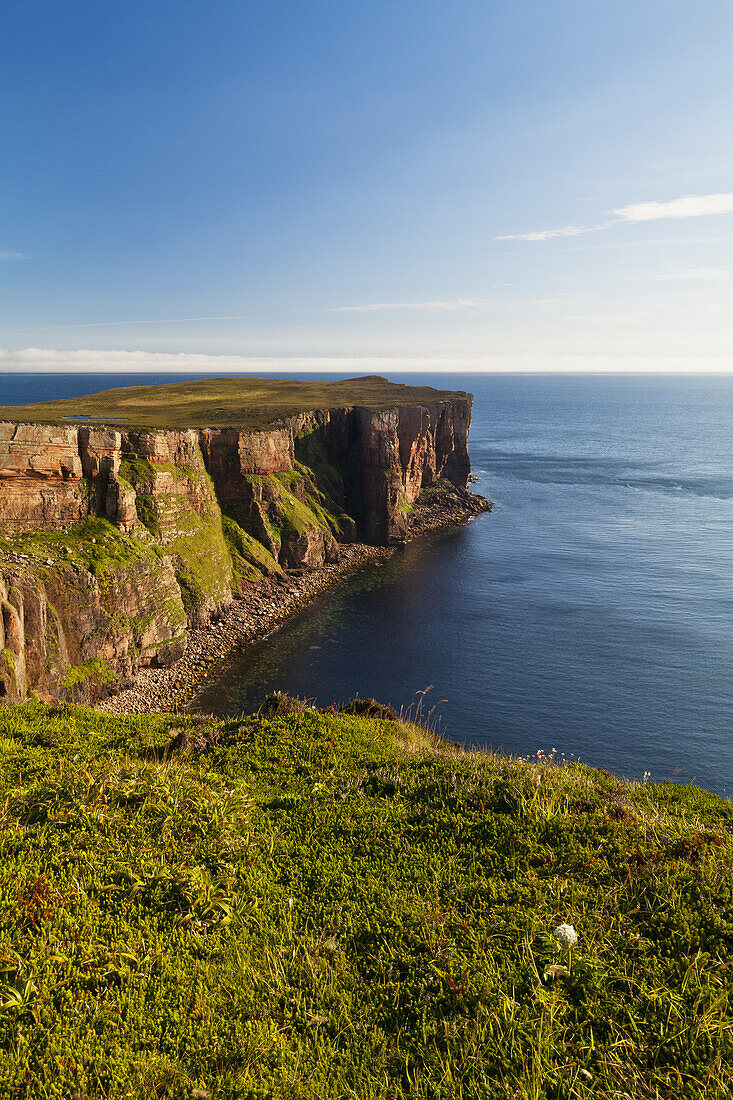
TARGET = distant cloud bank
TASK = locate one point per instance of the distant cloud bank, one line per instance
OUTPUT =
(87, 361)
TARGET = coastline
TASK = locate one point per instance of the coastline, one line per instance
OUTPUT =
(261, 608)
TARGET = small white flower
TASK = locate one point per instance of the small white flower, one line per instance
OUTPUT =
(566, 934)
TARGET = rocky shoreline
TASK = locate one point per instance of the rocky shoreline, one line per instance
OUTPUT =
(261, 608)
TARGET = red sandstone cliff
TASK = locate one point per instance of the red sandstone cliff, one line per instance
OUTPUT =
(112, 540)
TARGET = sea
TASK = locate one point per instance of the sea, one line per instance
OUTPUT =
(589, 615)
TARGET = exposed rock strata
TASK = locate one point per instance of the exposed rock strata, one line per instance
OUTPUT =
(264, 607)
(114, 542)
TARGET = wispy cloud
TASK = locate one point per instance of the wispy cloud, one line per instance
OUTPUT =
(12, 256)
(457, 305)
(690, 206)
(644, 242)
(115, 324)
(548, 234)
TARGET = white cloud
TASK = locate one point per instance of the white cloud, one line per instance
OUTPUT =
(85, 361)
(548, 234)
(12, 256)
(458, 305)
(691, 206)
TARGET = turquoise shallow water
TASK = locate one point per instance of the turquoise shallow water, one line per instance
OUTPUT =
(592, 611)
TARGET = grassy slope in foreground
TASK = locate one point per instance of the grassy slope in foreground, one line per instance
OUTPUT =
(247, 403)
(326, 906)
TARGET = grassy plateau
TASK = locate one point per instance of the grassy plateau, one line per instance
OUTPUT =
(326, 905)
(248, 403)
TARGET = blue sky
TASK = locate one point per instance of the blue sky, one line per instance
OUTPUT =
(510, 185)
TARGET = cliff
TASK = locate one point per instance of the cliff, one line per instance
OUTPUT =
(114, 539)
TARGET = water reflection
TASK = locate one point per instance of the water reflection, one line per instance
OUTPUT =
(359, 640)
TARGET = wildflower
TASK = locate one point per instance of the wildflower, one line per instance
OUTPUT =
(566, 934)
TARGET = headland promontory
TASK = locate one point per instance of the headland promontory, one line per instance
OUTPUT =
(131, 517)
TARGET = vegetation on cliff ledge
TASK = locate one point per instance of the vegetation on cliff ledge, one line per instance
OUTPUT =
(95, 544)
(323, 905)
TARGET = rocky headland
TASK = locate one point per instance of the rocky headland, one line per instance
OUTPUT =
(125, 546)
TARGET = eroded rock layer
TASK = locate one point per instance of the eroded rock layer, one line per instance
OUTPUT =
(112, 541)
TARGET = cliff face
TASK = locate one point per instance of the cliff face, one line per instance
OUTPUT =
(386, 457)
(112, 541)
(400, 452)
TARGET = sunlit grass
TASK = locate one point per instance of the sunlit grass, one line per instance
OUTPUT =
(221, 402)
(326, 905)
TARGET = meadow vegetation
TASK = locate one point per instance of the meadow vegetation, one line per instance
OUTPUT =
(322, 905)
(248, 403)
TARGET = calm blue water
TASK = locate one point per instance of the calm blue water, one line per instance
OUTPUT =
(592, 611)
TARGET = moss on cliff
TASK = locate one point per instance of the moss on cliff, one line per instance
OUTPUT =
(94, 673)
(136, 469)
(321, 906)
(404, 506)
(141, 475)
(95, 545)
(294, 516)
(299, 487)
(189, 527)
(250, 559)
(204, 569)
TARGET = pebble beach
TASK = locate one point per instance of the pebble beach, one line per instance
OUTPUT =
(258, 609)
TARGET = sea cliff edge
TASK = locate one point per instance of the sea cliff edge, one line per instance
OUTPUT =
(124, 548)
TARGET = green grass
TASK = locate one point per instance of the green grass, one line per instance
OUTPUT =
(328, 906)
(96, 669)
(95, 544)
(296, 516)
(250, 560)
(204, 569)
(223, 402)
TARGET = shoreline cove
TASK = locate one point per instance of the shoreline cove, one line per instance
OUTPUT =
(264, 607)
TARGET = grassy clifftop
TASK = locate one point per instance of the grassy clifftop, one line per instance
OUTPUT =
(248, 403)
(324, 905)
